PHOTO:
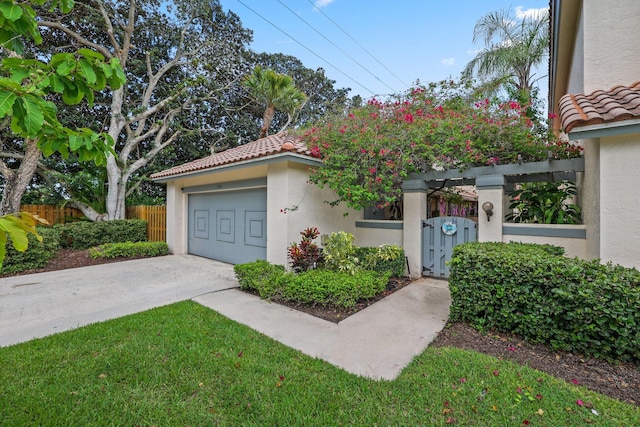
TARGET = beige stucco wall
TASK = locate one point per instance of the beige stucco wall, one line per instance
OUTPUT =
(490, 230)
(288, 187)
(620, 199)
(574, 247)
(611, 51)
(372, 236)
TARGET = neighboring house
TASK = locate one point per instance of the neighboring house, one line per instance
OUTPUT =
(250, 202)
(595, 92)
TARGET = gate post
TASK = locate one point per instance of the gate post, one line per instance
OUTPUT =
(490, 189)
(415, 210)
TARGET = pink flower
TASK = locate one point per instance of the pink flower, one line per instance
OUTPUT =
(372, 170)
(574, 381)
(408, 118)
(579, 402)
(463, 380)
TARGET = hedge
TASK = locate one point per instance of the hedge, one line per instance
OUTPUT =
(85, 234)
(37, 255)
(310, 287)
(529, 290)
(129, 250)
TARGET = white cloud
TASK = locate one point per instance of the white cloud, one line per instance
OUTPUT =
(322, 3)
(522, 13)
(448, 61)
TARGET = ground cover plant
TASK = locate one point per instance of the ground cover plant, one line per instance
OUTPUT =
(184, 364)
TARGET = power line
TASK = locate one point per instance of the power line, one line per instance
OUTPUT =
(335, 45)
(356, 42)
(311, 51)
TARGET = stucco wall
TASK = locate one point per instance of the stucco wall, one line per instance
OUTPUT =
(574, 247)
(370, 233)
(620, 199)
(611, 51)
(288, 189)
(576, 72)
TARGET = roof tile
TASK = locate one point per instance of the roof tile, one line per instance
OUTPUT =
(268, 146)
(617, 104)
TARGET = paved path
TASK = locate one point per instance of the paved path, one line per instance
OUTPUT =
(377, 342)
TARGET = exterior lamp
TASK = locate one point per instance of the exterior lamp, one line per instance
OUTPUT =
(487, 207)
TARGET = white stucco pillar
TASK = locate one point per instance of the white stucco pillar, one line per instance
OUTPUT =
(278, 222)
(176, 218)
(415, 210)
(490, 190)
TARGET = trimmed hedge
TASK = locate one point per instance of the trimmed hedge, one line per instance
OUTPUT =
(84, 234)
(129, 250)
(570, 304)
(37, 255)
(311, 287)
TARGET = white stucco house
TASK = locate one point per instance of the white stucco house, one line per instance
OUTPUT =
(250, 202)
(595, 95)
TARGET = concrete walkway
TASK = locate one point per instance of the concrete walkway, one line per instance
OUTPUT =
(377, 342)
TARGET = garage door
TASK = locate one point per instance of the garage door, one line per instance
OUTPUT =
(229, 226)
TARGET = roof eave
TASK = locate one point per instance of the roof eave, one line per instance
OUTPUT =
(294, 157)
(604, 129)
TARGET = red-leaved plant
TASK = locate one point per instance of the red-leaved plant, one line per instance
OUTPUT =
(305, 255)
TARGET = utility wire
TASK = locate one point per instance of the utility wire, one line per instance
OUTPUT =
(356, 42)
(335, 45)
(311, 51)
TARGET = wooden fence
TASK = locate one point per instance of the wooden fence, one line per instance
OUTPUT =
(156, 217)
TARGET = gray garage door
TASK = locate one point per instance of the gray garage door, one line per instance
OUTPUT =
(229, 226)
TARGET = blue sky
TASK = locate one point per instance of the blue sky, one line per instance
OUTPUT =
(385, 46)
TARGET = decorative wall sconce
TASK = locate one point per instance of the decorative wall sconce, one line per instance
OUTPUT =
(487, 207)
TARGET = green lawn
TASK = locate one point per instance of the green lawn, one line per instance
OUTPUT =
(186, 365)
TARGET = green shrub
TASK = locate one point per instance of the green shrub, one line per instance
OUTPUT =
(383, 259)
(334, 287)
(129, 250)
(340, 253)
(310, 287)
(260, 276)
(85, 234)
(37, 255)
(570, 304)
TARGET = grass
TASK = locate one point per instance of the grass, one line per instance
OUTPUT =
(184, 364)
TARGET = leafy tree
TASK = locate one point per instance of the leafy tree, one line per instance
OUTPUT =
(368, 152)
(28, 116)
(274, 91)
(513, 48)
(322, 97)
(185, 56)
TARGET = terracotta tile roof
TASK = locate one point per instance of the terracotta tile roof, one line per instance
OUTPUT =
(272, 144)
(618, 104)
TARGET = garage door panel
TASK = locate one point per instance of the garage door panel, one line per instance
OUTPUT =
(201, 224)
(255, 229)
(228, 226)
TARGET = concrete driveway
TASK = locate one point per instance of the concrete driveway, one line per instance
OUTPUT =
(38, 305)
(377, 342)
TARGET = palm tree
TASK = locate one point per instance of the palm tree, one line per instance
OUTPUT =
(274, 91)
(512, 50)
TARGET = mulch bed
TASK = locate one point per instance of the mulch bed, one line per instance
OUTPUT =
(620, 381)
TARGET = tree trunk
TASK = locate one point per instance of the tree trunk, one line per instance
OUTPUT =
(16, 181)
(267, 118)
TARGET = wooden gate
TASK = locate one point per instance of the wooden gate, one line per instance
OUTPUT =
(439, 236)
